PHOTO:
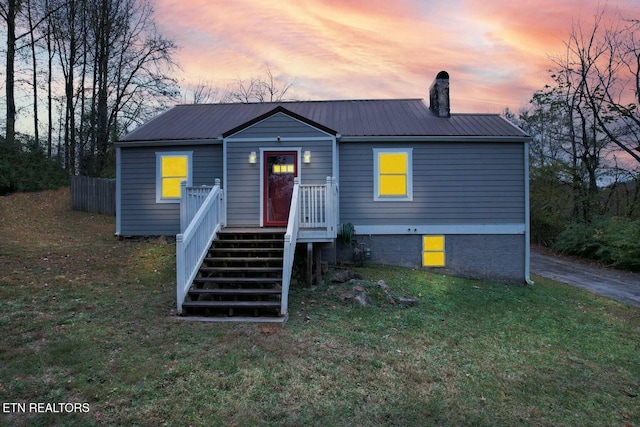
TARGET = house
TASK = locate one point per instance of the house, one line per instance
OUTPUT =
(392, 181)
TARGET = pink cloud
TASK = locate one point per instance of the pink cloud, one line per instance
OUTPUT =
(497, 53)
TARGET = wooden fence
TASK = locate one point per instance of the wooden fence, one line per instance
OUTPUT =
(96, 195)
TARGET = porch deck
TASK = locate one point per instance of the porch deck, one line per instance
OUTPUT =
(305, 234)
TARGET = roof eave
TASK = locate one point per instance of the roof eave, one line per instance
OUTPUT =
(167, 142)
(436, 138)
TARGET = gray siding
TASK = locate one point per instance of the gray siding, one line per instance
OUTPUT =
(243, 187)
(453, 183)
(321, 165)
(140, 214)
(279, 125)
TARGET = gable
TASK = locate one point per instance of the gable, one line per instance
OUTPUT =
(279, 123)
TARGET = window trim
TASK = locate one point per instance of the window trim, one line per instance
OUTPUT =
(159, 156)
(377, 197)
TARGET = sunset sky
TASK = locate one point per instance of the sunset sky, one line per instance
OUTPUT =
(497, 52)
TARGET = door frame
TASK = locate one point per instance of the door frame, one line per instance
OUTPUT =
(264, 151)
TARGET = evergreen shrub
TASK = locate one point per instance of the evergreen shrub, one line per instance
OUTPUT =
(26, 167)
(612, 241)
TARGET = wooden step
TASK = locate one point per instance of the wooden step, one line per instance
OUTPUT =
(244, 259)
(251, 253)
(253, 230)
(253, 249)
(231, 304)
(247, 242)
(250, 236)
(227, 292)
(241, 269)
(239, 280)
(236, 319)
(236, 251)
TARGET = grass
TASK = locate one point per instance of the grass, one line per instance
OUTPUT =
(89, 319)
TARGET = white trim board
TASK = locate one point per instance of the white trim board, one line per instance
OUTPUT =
(442, 229)
(527, 218)
(272, 139)
(118, 191)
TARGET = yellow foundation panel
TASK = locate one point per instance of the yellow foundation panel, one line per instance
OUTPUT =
(433, 259)
(433, 254)
(433, 243)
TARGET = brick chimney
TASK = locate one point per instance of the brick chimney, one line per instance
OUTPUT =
(439, 95)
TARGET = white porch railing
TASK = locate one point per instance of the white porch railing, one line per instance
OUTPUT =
(191, 200)
(290, 238)
(319, 207)
(193, 242)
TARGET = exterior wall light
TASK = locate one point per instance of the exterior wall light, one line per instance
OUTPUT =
(253, 157)
(306, 157)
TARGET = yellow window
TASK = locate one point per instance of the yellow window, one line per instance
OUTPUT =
(283, 169)
(433, 253)
(393, 163)
(391, 185)
(173, 171)
(392, 169)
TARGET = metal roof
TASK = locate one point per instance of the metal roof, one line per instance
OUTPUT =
(349, 118)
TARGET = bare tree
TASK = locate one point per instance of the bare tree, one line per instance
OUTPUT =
(138, 80)
(50, 58)
(608, 55)
(31, 15)
(68, 34)
(115, 65)
(9, 12)
(266, 88)
(13, 13)
(581, 124)
(204, 92)
(274, 88)
(545, 121)
(623, 126)
(269, 88)
(589, 78)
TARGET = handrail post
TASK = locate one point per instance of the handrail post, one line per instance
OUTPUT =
(183, 206)
(335, 212)
(222, 208)
(180, 271)
(329, 207)
(290, 238)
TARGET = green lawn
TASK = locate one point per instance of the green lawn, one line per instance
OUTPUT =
(86, 318)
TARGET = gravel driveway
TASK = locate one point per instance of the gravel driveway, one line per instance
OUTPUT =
(619, 285)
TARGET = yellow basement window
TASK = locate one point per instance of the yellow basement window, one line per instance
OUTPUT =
(433, 253)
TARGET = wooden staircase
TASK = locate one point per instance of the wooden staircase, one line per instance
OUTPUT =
(241, 277)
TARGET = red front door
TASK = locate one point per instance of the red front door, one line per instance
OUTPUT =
(280, 168)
